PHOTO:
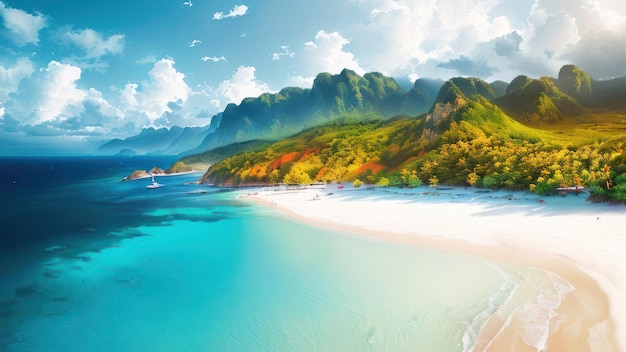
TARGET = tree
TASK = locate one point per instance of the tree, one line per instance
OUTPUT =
(472, 179)
(357, 183)
(433, 181)
(409, 178)
(383, 182)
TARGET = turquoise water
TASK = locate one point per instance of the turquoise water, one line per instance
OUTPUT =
(124, 268)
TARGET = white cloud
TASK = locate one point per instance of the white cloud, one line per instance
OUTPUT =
(596, 53)
(93, 43)
(417, 37)
(188, 3)
(327, 54)
(410, 34)
(299, 81)
(284, 52)
(583, 32)
(213, 58)
(10, 77)
(48, 95)
(151, 98)
(49, 102)
(238, 10)
(23, 26)
(242, 84)
(194, 43)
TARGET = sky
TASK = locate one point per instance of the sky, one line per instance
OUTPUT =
(74, 74)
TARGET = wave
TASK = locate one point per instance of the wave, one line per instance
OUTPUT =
(525, 307)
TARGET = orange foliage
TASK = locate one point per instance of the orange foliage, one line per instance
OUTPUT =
(257, 170)
(284, 159)
(309, 151)
(321, 173)
(372, 165)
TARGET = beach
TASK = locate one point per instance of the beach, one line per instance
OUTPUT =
(569, 253)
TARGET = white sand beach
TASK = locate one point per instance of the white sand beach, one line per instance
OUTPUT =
(570, 239)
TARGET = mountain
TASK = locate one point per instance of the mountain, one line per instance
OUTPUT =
(166, 141)
(571, 95)
(466, 138)
(332, 97)
(422, 95)
(454, 95)
(273, 116)
(574, 82)
(536, 101)
(499, 88)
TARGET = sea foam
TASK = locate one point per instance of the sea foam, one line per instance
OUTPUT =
(529, 312)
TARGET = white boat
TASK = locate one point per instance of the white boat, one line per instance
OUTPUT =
(154, 184)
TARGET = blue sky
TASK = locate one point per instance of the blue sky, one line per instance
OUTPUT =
(75, 73)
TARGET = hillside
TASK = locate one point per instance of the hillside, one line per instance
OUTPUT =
(465, 139)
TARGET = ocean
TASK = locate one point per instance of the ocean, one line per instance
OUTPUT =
(92, 263)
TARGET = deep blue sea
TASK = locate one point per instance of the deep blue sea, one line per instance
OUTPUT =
(91, 263)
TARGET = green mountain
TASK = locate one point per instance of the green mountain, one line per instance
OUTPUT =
(452, 96)
(332, 97)
(574, 82)
(466, 138)
(536, 101)
(499, 88)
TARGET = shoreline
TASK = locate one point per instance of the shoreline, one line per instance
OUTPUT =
(583, 244)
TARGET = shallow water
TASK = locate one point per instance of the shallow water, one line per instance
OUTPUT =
(91, 263)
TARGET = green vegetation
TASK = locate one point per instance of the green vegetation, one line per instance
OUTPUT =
(464, 140)
(178, 167)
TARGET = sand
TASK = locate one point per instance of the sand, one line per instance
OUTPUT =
(570, 239)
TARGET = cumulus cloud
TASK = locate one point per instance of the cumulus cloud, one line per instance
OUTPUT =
(410, 34)
(596, 53)
(299, 81)
(194, 43)
(326, 53)
(553, 36)
(49, 94)
(10, 77)
(24, 27)
(152, 97)
(530, 37)
(242, 84)
(49, 102)
(238, 10)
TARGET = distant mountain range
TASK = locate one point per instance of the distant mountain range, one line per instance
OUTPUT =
(162, 141)
(275, 116)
